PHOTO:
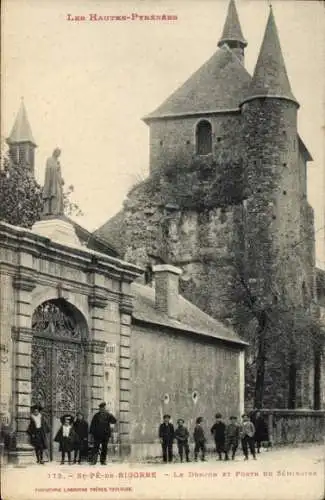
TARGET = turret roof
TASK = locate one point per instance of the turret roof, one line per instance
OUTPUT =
(21, 130)
(232, 30)
(270, 77)
(220, 84)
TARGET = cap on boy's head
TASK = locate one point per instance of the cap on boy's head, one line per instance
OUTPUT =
(218, 415)
(66, 417)
(233, 417)
(199, 420)
(166, 416)
(180, 421)
(102, 405)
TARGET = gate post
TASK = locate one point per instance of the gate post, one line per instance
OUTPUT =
(126, 307)
(23, 283)
(23, 337)
(96, 350)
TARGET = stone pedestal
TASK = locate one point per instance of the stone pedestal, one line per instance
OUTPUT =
(58, 230)
(23, 455)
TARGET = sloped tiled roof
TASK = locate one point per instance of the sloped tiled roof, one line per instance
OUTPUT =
(191, 318)
(270, 77)
(111, 232)
(232, 30)
(220, 84)
(21, 130)
(92, 241)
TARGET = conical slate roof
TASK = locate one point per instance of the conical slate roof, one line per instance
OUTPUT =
(270, 76)
(220, 84)
(21, 130)
(232, 31)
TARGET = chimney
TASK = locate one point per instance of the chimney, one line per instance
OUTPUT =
(166, 287)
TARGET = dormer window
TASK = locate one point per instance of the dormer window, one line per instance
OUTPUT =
(203, 138)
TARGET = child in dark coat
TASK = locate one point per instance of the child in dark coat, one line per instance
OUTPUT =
(80, 427)
(261, 431)
(232, 438)
(66, 437)
(181, 436)
(199, 439)
(218, 431)
(37, 432)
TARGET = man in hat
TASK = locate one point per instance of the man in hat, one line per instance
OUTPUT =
(166, 436)
(37, 431)
(100, 429)
(181, 436)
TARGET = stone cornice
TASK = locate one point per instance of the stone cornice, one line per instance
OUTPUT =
(20, 334)
(98, 297)
(126, 304)
(24, 280)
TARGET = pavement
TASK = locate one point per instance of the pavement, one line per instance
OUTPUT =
(279, 474)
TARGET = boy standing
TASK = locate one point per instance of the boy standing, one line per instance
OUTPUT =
(166, 436)
(66, 437)
(37, 432)
(199, 439)
(232, 438)
(247, 436)
(218, 431)
(181, 436)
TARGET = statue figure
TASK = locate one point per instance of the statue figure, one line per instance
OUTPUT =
(53, 190)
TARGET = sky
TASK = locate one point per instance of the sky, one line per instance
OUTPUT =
(87, 84)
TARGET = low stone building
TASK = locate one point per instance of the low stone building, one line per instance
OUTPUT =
(70, 338)
(183, 362)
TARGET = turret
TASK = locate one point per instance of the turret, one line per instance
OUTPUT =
(232, 33)
(270, 144)
(21, 142)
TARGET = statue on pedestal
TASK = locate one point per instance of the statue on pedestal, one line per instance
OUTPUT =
(53, 186)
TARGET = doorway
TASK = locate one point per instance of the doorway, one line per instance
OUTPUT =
(58, 364)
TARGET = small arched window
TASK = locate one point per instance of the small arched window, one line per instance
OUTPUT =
(203, 138)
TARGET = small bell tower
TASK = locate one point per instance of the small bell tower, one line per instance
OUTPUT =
(232, 34)
(21, 142)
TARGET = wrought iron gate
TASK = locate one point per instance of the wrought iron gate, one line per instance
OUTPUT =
(57, 364)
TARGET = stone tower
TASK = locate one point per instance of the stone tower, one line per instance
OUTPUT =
(278, 222)
(226, 196)
(20, 141)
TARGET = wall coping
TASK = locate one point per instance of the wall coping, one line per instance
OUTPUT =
(26, 240)
(167, 268)
(298, 412)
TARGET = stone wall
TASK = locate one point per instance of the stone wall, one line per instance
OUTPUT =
(173, 140)
(179, 384)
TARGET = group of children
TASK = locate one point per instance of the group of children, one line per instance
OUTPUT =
(226, 438)
(73, 436)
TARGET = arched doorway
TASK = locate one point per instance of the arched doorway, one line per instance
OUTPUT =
(59, 362)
